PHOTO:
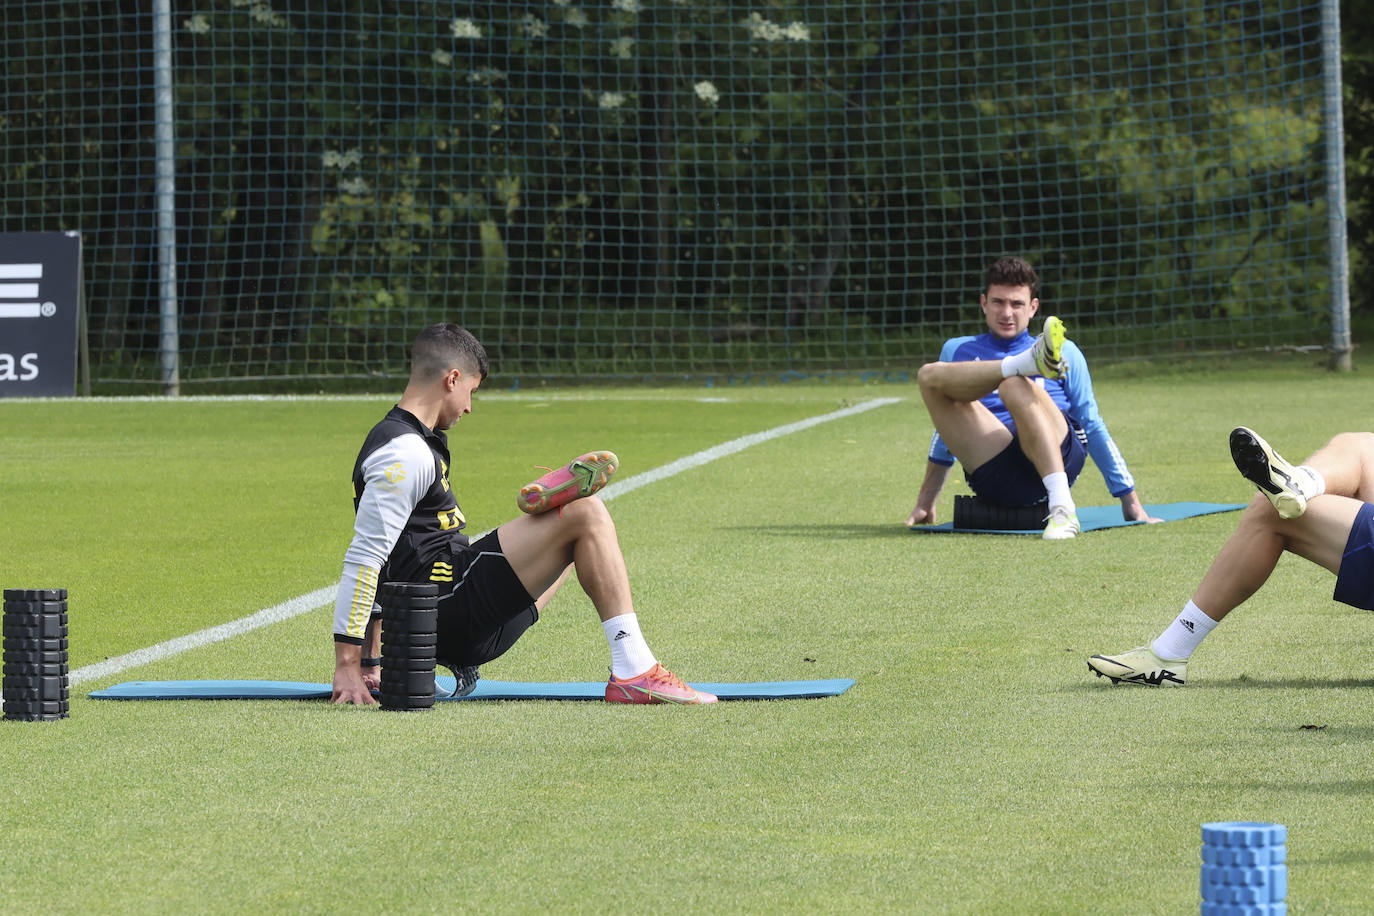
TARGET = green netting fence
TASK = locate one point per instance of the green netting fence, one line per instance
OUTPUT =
(282, 192)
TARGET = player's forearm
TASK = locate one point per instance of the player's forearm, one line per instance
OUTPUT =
(932, 483)
(372, 642)
(347, 655)
(353, 602)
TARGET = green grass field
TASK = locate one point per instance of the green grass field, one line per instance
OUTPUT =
(976, 766)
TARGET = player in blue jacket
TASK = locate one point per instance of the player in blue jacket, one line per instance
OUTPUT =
(1018, 412)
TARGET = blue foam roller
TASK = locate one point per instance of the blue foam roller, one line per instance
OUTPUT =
(1242, 909)
(1214, 883)
(1278, 884)
(1212, 893)
(1251, 876)
(1248, 834)
(1261, 857)
(1220, 884)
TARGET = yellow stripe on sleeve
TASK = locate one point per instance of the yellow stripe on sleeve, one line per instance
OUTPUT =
(364, 594)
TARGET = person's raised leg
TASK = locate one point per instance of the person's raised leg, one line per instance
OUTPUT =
(1040, 429)
(951, 392)
(540, 548)
(1242, 565)
(1346, 465)
(1342, 468)
(1040, 425)
(1240, 569)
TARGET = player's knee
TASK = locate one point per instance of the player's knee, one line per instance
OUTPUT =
(928, 375)
(589, 513)
(1017, 390)
(1359, 443)
(1260, 513)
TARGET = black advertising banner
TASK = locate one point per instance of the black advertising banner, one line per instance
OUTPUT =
(40, 286)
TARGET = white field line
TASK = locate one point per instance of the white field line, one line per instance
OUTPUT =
(323, 596)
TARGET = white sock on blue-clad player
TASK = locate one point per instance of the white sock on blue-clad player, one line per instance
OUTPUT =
(1315, 485)
(1183, 635)
(630, 654)
(1057, 486)
(1022, 363)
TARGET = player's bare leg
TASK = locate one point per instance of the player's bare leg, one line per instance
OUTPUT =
(1248, 558)
(951, 392)
(540, 548)
(1347, 465)
(1317, 530)
(1346, 468)
(1039, 423)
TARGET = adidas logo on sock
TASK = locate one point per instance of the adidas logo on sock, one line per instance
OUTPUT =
(621, 635)
(1188, 624)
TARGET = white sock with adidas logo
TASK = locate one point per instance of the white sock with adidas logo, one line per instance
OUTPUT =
(1184, 634)
(630, 654)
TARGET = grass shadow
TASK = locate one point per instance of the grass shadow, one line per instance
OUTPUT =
(1294, 683)
(827, 532)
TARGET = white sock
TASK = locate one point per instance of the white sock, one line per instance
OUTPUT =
(630, 654)
(1184, 634)
(1057, 485)
(1022, 363)
(1318, 483)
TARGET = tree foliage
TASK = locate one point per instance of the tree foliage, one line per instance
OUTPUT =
(714, 172)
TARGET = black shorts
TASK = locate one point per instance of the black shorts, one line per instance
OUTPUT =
(1010, 479)
(488, 608)
(1355, 580)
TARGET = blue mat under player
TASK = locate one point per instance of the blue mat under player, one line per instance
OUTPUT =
(485, 690)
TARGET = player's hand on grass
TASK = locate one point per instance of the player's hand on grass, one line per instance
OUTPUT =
(1133, 511)
(921, 515)
(349, 687)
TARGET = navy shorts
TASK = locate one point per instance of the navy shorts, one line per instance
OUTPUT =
(1010, 479)
(1355, 580)
(488, 608)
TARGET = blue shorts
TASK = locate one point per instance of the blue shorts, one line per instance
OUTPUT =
(1010, 479)
(1355, 581)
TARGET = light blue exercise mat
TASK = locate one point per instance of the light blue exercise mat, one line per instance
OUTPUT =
(485, 690)
(1092, 518)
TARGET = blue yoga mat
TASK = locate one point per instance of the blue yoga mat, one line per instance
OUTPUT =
(485, 690)
(1092, 518)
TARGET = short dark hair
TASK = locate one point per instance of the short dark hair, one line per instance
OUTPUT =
(444, 346)
(1011, 271)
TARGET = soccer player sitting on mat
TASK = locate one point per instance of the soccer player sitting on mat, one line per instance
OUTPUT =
(408, 528)
(1320, 511)
(1017, 412)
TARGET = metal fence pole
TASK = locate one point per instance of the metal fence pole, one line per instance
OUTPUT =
(166, 196)
(1335, 185)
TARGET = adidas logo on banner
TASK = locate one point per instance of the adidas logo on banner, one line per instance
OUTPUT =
(621, 635)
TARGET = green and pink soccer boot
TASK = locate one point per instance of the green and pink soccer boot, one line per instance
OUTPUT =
(582, 476)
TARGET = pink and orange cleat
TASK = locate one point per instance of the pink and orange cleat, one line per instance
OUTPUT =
(657, 685)
(583, 476)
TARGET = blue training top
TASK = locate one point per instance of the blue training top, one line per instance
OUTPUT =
(1073, 394)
